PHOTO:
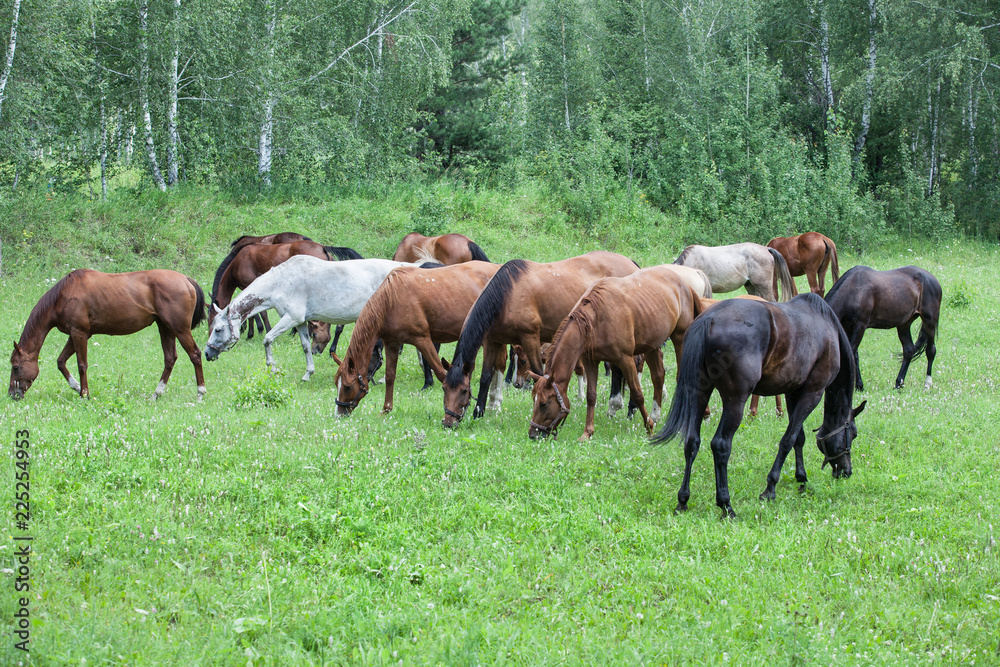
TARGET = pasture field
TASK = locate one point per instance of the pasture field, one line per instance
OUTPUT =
(255, 528)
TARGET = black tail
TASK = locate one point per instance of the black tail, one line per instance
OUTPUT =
(477, 252)
(337, 252)
(686, 409)
(484, 313)
(200, 313)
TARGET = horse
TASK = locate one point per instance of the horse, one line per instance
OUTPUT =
(413, 306)
(696, 279)
(810, 254)
(86, 302)
(615, 319)
(741, 347)
(749, 265)
(238, 270)
(302, 288)
(283, 237)
(864, 298)
(524, 303)
(447, 249)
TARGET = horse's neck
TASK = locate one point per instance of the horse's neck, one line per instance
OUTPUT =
(565, 353)
(249, 304)
(37, 327)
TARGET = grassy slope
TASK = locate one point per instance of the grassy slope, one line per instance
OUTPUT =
(174, 532)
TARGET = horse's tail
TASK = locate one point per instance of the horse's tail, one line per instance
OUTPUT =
(685, 410)
(481, 317)
(200, 312)
(477, 252)
(338, 252)
(930, 308)
(781, 274)
(834, 265)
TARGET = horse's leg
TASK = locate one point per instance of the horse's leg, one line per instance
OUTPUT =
(754, 401)
(429, 350)
(391, 359)
(303, 330)
(631, 376)
(169, 344)
(908, 351)
(429, 370)
(722, 447)
(658, 376)
(511, 367)
(286, 323)
(799, 407)
(590, 371)
(67, 352)
(186, 339)
(815, 282)
(336, 339)
(485, 379)
(375, 362)
(79, 339)
(615, 400)
(496, 388)
(777, 405)
(855, 337)
(928, 328)
(263, 320)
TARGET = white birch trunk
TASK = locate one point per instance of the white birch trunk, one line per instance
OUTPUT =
(645, 48)
(932, 110)
(147, 121)
(565, 63)
(824, 56)
(103, 148)
(173, 136)
(11, 46)
(866, 111)
(266, 138)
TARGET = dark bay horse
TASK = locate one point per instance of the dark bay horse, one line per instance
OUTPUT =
(88, 302)
(749, 265)
(446, 249)
(742, 347)
(283, 237)
(614, 320)
(413, 306)
(868, 299)
(523, 304)
(809, 254)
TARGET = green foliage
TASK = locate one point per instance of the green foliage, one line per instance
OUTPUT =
(261, 388)
(960, 294)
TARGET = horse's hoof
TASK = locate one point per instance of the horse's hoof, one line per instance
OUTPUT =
(768, 495)
(729, 514)
(802, 487)
(681, 508)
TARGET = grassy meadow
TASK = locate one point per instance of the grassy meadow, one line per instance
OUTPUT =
(255, 528)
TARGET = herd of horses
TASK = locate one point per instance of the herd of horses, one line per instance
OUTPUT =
(557, 318)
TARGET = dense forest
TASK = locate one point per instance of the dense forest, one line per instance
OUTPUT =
(753, 117)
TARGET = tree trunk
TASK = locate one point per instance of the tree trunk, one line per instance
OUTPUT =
(824, 56)
(866, 112)
(11, 46)
(266, 138)
(565, 69)
(103, 148)
(173, 136)
(933, 104)
(147, 121)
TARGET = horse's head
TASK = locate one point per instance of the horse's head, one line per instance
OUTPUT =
(23, 371)
(320, 334)
(225, 332)
(522, 375)
(550, 407)
(457, 392)
(352, 386)
(835, 442)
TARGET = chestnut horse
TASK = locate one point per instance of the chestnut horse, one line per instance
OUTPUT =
(413, 306)
(742, 346)
(447, 249)
(614, 320)
(868, 299)
(809, 254)
(87, 302)
(749, 265)
(524, 304)
(283, 237)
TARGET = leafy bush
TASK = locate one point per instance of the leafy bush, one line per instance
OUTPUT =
(261, 388)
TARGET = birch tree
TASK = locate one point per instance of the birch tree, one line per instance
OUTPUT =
(11, 47)
(147, 121)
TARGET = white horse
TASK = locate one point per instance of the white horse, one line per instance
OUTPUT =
(749, 265)
(300, 289)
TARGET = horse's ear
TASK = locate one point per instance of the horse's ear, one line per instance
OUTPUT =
(337, 360)
(445, 364)
(216, 308)
(17, 348)
(467, 368)
(534, 376)
(858, 410)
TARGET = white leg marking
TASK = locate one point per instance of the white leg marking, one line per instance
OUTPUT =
(928, 382)
(615, 403)
(581, 388)
(160, 389)
(495, 397)
(73, 384)
(655, 414)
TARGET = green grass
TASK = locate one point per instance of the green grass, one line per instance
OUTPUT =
(255, 528)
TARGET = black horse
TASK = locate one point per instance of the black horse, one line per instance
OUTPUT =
(743, 347)
(864, 298)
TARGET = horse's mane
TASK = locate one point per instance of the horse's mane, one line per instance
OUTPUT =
(833, 291)
(225, 265)
(683, 256)
(477, 252)
(484, 313)
(36, 320)
(372, 316)
(341, 252)
(245, 236)
(844, 381)
(584, 314)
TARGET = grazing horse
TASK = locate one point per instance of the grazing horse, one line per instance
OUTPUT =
(283, 237)
(810, 254)
(868, 299)
(749, 265)
(742, 347)
(614, 320)
(86, 302)
(302, 288)
(447, 249)
(413, 306)
(524, 304)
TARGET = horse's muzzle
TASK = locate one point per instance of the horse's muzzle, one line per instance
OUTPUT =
(211, 354)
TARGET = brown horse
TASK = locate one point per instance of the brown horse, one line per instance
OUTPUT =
(260, 320)
(524, 303)
(87, 302)
(446, 249)
(414, 306)
(810, 254)
(614, 320)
